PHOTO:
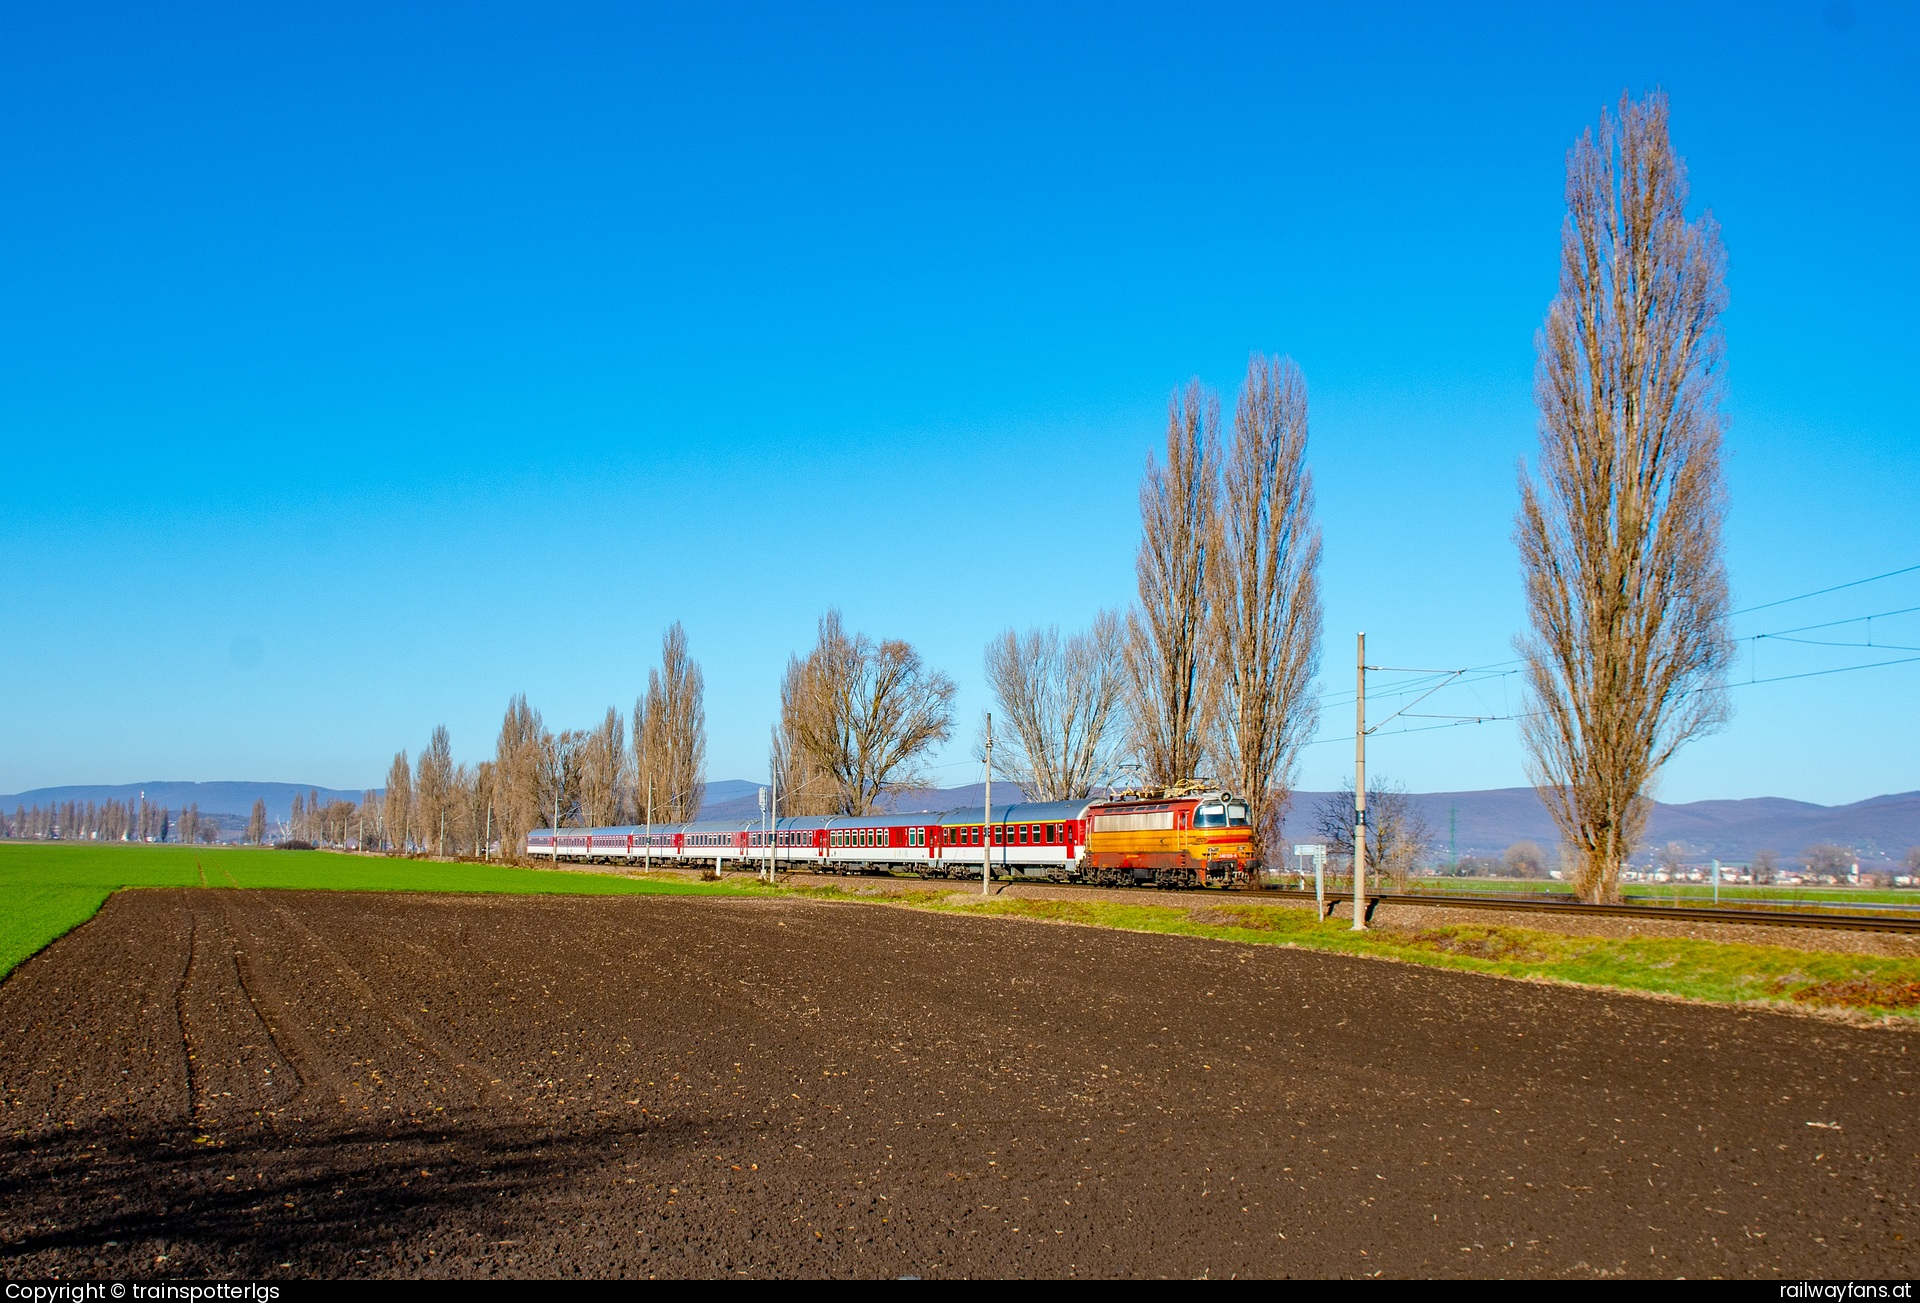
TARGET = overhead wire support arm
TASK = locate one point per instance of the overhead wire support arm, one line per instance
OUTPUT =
(1451, 676)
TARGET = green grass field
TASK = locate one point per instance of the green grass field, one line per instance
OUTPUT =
(49, 888)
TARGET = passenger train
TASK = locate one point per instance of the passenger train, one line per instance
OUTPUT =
(1176, 838)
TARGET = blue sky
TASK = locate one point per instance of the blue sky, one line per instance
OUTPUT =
(363, 366)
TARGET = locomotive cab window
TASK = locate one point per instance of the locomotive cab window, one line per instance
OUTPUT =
(1211, 816)
(1237, 815)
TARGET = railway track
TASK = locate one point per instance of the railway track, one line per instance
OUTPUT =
(1672, 913)
(1561, 905)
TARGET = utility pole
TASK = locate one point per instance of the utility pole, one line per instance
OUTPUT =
(986, 832)
(556, 823)
(765, 832)
(647, 859)
(773, 854)
(1360, 791)
(486, 847)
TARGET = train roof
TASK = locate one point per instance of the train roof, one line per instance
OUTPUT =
(1017, 812)
(1020, 812)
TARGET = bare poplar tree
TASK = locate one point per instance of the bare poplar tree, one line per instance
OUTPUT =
(805, 787)
(1169, 675)
(603, 764)
(433, 794)
(516, 767)
(257, 823)
(1620, 540)
(479, 797)
(399, 803)
(1264, 577)
(670, 733)
(865, 713)
(1062, 703)
(459, 812)
(560, 767)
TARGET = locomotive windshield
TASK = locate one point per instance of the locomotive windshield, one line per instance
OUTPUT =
(1221, 814)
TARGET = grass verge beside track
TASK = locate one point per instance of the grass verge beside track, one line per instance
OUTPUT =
(1717, 972)
(49, 888)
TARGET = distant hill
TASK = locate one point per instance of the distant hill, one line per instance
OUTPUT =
(1486, 823)
(214, 798)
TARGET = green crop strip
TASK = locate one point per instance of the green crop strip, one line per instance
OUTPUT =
(1715, 971)
(49, 888)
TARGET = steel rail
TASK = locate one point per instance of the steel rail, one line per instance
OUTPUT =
(1672, 913)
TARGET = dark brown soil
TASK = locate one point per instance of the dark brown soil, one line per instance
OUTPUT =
(254, 1084)
(1863, 993)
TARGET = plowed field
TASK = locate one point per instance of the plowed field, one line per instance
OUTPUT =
(268, 1083)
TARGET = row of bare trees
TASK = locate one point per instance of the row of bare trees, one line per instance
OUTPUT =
(1210, 673)
(108, 820)
(1619, 535)
(608, 774)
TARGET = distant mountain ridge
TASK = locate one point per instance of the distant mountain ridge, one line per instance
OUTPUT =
(213, 798)
(1483, 823)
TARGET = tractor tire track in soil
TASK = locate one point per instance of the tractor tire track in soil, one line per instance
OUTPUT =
(206, 1082)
